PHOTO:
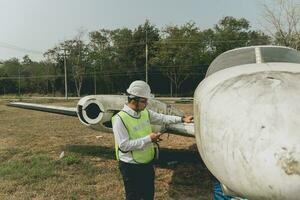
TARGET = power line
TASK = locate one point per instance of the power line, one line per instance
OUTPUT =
(13, 47)
(60, 76)
(89, 75)
(183, 41)
(138, 43)
(82, 74)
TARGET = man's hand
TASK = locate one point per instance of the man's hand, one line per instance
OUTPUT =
(188, 119)
(155, 136)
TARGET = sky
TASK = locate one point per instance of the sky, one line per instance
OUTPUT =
(33, 26)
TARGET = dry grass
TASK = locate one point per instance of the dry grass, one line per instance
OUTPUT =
(30, 168)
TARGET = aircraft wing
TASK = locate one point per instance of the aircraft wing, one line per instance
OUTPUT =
(184, 129)
(45, 108)
(96, 113)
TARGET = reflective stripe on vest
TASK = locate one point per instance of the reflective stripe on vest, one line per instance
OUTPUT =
(137, 128)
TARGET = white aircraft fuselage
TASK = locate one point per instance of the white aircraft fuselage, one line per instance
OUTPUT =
(247, 127)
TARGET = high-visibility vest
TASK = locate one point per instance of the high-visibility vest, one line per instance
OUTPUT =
(137, 128)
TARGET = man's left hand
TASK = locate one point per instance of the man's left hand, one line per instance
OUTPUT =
(188, 119)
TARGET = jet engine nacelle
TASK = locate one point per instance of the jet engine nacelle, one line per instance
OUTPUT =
(96, 111)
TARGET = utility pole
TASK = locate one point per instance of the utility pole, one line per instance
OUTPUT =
(65, 67)
(19, 81)
(171, 88)
(146, 56)
(95, 81)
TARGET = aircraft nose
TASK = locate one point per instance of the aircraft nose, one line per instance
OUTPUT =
(248, 132)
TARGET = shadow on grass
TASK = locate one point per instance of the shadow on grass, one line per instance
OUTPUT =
(190, 180)
(168, 158)
(92, 150)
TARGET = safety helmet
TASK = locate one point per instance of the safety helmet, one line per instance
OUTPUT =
(140, 89)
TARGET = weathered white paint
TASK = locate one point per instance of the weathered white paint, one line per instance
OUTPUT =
(45, 108)
(257, 54)
(96, 111)
(247, 127)
(108, 105)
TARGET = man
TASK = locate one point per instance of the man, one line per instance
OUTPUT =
(134, 141)
(218, 193)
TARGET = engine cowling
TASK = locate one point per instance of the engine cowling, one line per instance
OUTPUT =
(96, 111)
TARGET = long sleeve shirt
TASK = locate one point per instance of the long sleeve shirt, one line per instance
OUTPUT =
(122, 137)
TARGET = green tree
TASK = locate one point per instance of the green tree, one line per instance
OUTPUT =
(55, 57)
(11, 75)
(120, 53)
(145, 34)
(78, 57)
(231, 33)
(75, 52)
(109, 56)
(51, 75)
(33, 75)
(7, 85)
(179, 54)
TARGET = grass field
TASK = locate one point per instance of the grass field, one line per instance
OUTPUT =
(30, 168)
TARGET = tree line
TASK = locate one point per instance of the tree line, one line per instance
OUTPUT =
(176, 58)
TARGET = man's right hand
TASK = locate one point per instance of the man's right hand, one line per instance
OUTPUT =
(155, 136)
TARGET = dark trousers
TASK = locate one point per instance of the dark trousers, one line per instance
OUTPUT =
(138, 180)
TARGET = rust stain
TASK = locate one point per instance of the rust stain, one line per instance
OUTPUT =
(289, 163)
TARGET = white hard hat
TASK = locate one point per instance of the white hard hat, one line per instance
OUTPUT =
(140, 89)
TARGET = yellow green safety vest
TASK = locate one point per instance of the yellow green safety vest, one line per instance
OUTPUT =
(137, 128)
